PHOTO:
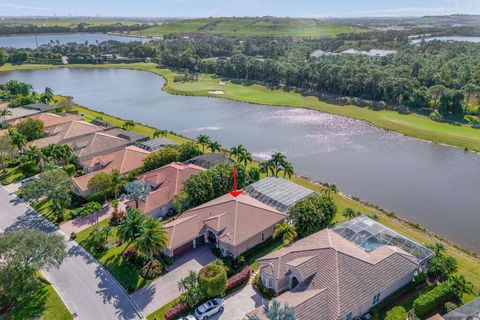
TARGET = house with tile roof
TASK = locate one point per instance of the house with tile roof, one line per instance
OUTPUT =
(50, 119)
(208, 160)
(231, 224)
(96, 144)
(165, 183)
(325, 276)
(124, 160)
(66, 132)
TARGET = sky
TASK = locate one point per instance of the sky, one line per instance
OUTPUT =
(223, 8)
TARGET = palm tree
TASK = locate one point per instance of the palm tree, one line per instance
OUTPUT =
(278, 160)
(128, 124)
(350, 213)
(5, 113)
(265, 167)
(244, 157)
(460, 285)
(18, 139)
(274, 310)
(130, 228)
(329, 189)
(287, 231)
(117, 181)
(65, 153)
(438, 248)
(47, 95)
(204, 141)
(35, 156)
(236, 151)
(152, 239)
(157, 133)
(287, 169)
(214, 146)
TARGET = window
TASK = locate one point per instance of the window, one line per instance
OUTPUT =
(263, 236)
(270, 283)
(376, 298)
(349, 316)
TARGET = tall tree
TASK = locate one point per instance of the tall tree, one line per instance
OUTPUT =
(160, 133)
(312, 214)
(8, 151)
(214, 146)
(153, 238)
(286, 231)
(52, 184)
(4, 113)
(100, 183)
(130, 228)
(204, 141)
(136, 190)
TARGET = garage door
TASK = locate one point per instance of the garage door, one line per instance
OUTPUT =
(182, 249)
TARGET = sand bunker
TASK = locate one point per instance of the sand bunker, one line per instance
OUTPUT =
(216, 92)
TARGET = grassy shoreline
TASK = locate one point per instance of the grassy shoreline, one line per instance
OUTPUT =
(411, 125)
(468, 262)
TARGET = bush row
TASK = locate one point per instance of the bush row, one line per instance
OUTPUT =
(239, 279)
(176, 311)
(426, 304)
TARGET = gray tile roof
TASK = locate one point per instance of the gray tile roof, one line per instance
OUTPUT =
(468, 311)
(208, 160)
(42, 107)
(131, 136)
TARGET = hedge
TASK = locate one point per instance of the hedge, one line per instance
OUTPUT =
(397, 313)
(177, 311)
(428, 303)
(239, 279)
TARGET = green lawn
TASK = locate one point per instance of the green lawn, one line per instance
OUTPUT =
(45, 304)
(127, 274)
(295, 27)
(12, 175)
(160, 313)
(67, 22)
(44, 208)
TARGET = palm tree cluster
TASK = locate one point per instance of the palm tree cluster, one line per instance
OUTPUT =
(276, 164)
(206, 142)
(241, 154)
(147, 234)
(274, 310)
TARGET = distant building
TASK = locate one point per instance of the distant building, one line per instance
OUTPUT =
(66, 132)
(372, 54)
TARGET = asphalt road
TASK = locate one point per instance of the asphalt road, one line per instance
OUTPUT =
(90, 292)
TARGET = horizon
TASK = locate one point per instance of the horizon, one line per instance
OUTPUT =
(239, 8)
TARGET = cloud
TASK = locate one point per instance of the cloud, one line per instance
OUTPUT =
(400, 11)
(18, 6)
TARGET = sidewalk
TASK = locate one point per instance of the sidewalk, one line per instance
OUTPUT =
(81, 223)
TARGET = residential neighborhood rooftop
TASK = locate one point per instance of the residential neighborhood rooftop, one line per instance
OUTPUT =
(19, 112)
(96, 144)
(156, 144)
(65, 132)
(278, 193)
(131, 136)
(39, 106)
(50, 119)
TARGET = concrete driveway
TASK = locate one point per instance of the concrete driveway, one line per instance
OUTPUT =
(164, 289)
(90, 292)
(239, 303)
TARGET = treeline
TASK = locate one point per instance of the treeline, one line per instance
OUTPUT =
(81, 27)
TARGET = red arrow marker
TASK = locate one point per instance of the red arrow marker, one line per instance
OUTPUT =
(235, 193)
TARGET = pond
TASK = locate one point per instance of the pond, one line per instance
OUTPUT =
(450, 38)
(30, 40)
(436, 186)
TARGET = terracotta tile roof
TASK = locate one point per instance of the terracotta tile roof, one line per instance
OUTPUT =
(50, 119)
(124, 160)
(166, 183)
(96, 144)
(63, 133)
(350, 275)
(437, 317)
(235, 220)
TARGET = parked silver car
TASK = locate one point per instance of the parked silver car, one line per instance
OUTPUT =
(209, 308)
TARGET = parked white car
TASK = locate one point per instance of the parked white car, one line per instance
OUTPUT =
(209, 308)
(188, 318)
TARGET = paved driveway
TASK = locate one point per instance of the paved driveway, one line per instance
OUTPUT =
(164, 289)
(239, 303)
(89, 290)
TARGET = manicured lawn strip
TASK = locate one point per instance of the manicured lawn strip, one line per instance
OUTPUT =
(44, 304)
(44, 208)
(12, 175)
(412, 125)
(160, 313)
(127, 274)
(261, 250)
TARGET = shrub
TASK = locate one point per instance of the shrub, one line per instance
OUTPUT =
(129, 255)
(420, 278)
(427, 304)
(152, 269)
(175, 312)
(264, 291)
(160, 158)
(213, 280)
(397, 313)
(450, 306)
(312, 214)
(117, 216)
(239, 279)
(70, 169)
(167, 260)
(88, 209)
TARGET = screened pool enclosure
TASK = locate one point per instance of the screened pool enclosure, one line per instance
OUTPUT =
(369, 235)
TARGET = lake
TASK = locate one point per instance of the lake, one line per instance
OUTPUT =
(28, 41)
(449, 38)
(436, 186)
